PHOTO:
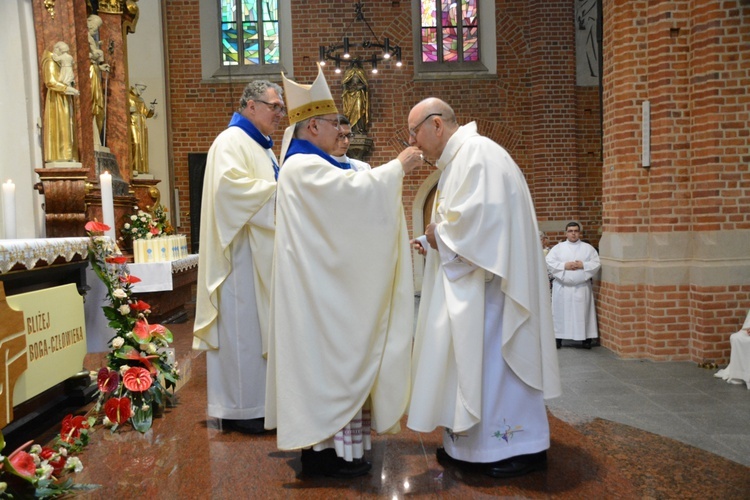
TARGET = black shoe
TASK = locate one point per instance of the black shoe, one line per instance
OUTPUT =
(586, 344)
(517, 466)
(326, 463)
(559, 343)
(510, 467)
(249, 426)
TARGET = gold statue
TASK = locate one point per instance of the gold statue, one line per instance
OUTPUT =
(356, 99)
(97, 65)
(59, 123)
(138, 130)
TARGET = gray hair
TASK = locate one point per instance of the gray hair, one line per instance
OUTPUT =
(256, 90)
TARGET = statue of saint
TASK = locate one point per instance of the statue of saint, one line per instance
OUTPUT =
(97, 65)
(59, 113)
(139, 112)
(356, 99)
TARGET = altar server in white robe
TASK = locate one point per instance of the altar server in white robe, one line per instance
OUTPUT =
(738, 370)
(342, 296)
(342, 147)
(573, 263)
(234, 263)
(484, 354)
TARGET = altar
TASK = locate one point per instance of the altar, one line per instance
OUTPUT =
(167, 287)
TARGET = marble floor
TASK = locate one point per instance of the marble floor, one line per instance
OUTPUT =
(623, 429)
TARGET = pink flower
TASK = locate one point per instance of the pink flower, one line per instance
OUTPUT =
(96, 227)
(137, 379)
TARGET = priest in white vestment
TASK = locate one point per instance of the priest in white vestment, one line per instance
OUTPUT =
(234, 263)
(738, 370)
(342, 296)
(573, 264)
(484, 356)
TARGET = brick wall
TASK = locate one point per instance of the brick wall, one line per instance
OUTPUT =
(531, 107)
(691, 61)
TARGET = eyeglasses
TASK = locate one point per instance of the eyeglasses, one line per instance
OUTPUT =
(413, 131)
(347, 137)
(332, 121)
(273, 106)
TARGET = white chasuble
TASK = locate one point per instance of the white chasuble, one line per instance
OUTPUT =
(342, 301)
(485, 219)
(234, 268)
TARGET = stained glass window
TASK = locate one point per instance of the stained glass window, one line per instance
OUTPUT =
(450, 31)
(249, 32)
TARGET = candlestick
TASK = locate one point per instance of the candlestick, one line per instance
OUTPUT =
(9, 209)
(108, 203)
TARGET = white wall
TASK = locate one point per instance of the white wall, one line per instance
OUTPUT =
(20, 116)
(146, 64)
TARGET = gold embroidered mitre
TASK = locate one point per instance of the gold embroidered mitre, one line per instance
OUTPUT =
(306, 101)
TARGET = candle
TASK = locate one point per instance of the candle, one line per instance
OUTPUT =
(108, 203)
(9, 209)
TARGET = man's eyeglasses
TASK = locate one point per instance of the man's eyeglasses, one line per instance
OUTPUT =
(332, 121)
(413, 131)
(273, 106)
(347, 137)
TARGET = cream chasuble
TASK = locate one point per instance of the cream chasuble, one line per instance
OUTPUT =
(237, 190)
(342, 301)
(485, 215)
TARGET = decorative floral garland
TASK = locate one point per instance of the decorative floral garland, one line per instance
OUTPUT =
(137, 378)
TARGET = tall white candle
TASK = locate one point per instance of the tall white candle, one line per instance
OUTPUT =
(108, 203)
(9, 209)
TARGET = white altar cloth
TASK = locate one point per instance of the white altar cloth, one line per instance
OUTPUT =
(157, 276)
(28, 252)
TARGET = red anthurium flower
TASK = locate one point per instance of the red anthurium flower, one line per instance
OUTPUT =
(117, 259)
(139, 305)
(118, 410)
(107, 379)
(137, 379)
(142, 331)
(154, 230)
(130, 279)
(71, 428)
(23, 463)
(160, 331)
(96, 227)
(134, 355)
(57, 464)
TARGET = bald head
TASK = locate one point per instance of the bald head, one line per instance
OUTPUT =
(431, 123)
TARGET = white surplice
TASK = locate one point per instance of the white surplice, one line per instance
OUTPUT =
(234, 269)
(484, 356)
(342, 301)
(573, 309)
(357, 165)
(738, 370)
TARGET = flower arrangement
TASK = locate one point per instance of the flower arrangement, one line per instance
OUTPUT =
(147, 225)
(46, 469)
(139, 372)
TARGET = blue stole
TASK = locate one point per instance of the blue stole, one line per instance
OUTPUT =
(266, 142)
(301, 146)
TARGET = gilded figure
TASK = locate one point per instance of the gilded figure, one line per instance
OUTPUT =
(139, 112)
(60, 142)
(356, 99)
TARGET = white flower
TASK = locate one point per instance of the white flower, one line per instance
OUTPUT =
(74, 464)
(143, 219)
(118, 342)
(133, 217)
(149, 236)
(36, 458)
(35, 449)
(126, 226)
(119, 293)
(151, 348)
(46, 471)
(63, 451)
(134, 230)
(3, 487)
(144, 407)
(124, 309)
(123, 369)
(106, 422)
